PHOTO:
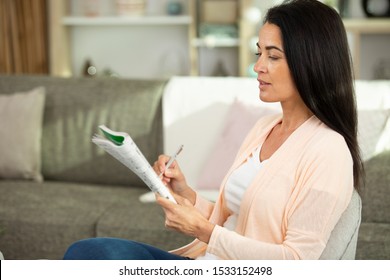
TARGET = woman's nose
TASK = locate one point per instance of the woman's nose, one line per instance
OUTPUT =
(259, 65)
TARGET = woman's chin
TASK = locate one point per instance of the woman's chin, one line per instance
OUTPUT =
(266, 98)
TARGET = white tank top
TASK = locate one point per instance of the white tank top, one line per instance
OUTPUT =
(235, 188)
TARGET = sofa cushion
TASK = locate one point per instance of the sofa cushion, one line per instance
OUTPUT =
(199, 106)
(373, 241)
(375, 194)
(21, 115)
(371, 130)
(240, 119)
(343, 239)
(74, 109)
(131, 219)
(51, 216)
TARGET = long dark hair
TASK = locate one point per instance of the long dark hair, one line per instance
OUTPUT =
(317, 52)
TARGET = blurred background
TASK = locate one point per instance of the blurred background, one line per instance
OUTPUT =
(157, 39)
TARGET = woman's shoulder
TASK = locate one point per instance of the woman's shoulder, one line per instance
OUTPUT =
(327, 141)
(326, 135)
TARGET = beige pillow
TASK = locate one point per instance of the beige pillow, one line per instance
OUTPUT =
(240, 120)
(371, 131)
(21, 116)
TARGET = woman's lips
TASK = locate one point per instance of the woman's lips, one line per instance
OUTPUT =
(263, 84)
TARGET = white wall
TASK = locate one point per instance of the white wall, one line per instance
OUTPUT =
(139, 51)
(132, 51)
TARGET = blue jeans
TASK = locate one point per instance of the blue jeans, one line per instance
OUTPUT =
(116, 249)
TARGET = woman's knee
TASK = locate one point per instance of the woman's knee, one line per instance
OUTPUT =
(88, 249)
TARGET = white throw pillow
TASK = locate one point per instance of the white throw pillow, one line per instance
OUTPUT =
(371, 129)
(240, 119)
(21, 116)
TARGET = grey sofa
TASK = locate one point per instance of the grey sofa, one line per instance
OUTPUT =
(374, 233)
(87, 193)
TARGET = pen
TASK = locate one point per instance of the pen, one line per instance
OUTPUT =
(172, 159)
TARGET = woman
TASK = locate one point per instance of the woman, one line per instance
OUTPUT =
(294, 174)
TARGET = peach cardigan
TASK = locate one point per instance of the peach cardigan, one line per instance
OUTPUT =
(294, 202)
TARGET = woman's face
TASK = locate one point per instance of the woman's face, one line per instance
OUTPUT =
(273, 74)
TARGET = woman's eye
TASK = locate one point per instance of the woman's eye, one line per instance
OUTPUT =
(273, 58)
(258, 54)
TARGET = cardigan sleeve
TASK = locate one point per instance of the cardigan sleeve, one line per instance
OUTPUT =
(325, 186)
(322, 191)
(228, 244)
(204, 206)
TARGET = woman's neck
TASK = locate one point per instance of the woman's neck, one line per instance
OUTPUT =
(294, 116)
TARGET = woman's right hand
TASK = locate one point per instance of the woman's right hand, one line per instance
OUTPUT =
(174, 178)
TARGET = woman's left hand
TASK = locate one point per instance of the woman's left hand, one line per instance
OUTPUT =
(185, 218)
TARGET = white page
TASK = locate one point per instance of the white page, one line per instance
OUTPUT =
(131, 156)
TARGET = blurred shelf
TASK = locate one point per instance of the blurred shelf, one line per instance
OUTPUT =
(126, 20)
(357, 27)
(211, 42)
(368, 25)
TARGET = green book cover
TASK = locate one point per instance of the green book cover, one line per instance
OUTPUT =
(116, 139)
